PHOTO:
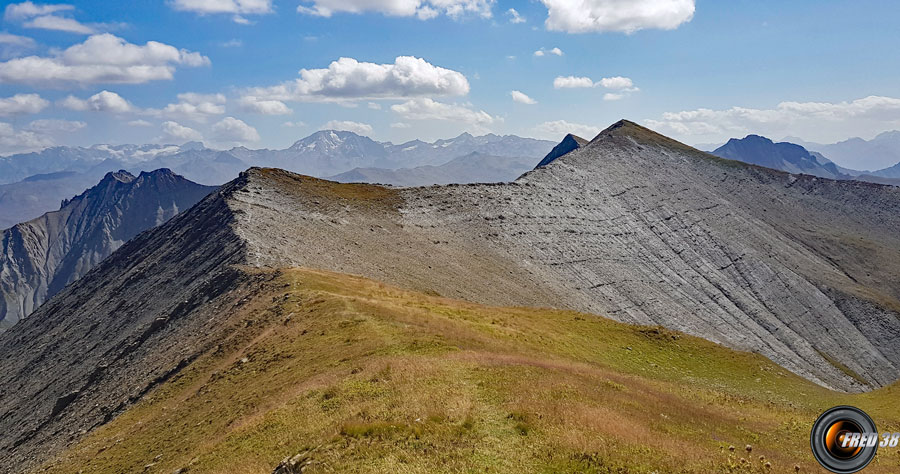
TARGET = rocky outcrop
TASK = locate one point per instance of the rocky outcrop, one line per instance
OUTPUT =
(40, 257)
(568, 144)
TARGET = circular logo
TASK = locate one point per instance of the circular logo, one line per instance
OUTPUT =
(844, 440)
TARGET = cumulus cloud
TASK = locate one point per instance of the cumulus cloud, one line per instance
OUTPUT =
(58, 23)
(22, 104)
(14, 45)
(140, 123)
(101, 58)
(626, 16)
(543, 52)
(822, 121)
(622, 86)
(355, 127)
(521, 98)
(297, 124)
(514, 16)
(400, 125)
(20, 141)
(56, 125)
(571, 82)
(103, 101)
(208, 7)
(556, 129)
(256, 105)
(422, 9)
(25, 10)
(174, 132)
(348, 79)
(234, 131)
(193, 106)
(428, 109)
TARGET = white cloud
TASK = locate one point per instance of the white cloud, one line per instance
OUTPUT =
(103, 101)
(355, 127)
(233, 131)
(374, 105)
(20, 141)
(521, 98)
(348, 79)
(297, 124)
(58, 23)
(557, 129)
(618, 83)
(421, 9)
(193, 106)
(14, 45)
(22, 104)
(817, 121)
(571, 82)
(207, 7)
(140, 123)
(609, 96)
(428, 109)
(101, 58)
(514, 16)
(56, 125)
(24, 10)
(232, 43)
(400, 125)
(543, 52)
(256, 105)
(174, 132)
(626, 16)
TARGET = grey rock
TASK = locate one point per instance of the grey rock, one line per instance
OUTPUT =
(633, 226)
(40, 257)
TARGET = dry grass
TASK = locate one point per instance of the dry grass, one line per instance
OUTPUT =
(372, 378)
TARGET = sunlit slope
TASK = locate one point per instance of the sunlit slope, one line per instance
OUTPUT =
(364, 377)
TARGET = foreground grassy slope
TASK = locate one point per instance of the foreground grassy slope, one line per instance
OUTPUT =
(364, 377)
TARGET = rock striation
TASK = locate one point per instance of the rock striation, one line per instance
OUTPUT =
(40, 257)
(631, 225)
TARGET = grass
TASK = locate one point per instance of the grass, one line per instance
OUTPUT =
(364, 377)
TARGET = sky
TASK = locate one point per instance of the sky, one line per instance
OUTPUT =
(265, 73)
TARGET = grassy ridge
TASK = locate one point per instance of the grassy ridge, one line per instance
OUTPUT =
(363, 377)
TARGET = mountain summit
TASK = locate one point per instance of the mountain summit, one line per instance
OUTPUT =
(39, 257)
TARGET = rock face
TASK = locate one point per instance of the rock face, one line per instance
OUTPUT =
(40, 257)
(632, 225)
(568, 144)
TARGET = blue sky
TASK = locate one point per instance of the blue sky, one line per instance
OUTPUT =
(701, 71)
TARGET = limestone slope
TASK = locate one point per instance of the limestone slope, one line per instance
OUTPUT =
(635, 226)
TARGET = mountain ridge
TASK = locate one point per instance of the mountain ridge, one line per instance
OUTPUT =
(634, 226)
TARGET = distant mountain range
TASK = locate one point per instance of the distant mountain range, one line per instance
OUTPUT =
(475, 167)
(40, 257)
(34, 183)
(875, 156)
(794, 158)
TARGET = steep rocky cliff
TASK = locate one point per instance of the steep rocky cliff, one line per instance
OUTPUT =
(39, 257)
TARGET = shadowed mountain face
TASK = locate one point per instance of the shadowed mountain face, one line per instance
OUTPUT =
(569, 144)
(789, 157)
(632, 225)
(41, 256)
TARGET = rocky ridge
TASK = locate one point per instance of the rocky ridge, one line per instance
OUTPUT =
(632, 225)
